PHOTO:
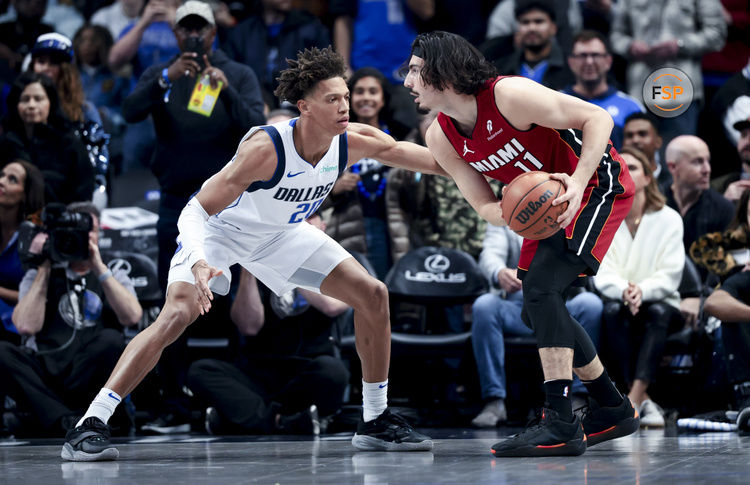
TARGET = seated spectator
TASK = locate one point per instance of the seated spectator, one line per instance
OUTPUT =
(590, 61)
(101, 87)
(273, 33)
(539, 57)
(639, 278)
(286, 375)
(725, 253)
(703, 210)
(731, 304)
(117, 16)
(733, 184)
(36, 130)
(359, 219)
(640, 132)
(52, 55)
(21, 195)
(498, 314)
(67, 354)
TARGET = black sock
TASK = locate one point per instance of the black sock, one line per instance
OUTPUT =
(558, 398)
(603, 390)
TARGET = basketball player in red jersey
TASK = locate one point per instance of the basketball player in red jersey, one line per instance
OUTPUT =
(501, 127)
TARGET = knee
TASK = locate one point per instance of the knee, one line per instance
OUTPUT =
(198, 370)
(657, 314)
(587, 308)
(483, 309)
(172, 321)
(611, 310)
(373, 297)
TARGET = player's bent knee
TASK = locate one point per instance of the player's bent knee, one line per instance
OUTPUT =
(372, 296)
(174, 319)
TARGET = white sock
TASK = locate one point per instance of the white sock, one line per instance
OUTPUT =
(374, 399)
(103, 406)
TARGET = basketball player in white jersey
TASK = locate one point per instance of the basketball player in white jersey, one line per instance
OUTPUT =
(252, 212)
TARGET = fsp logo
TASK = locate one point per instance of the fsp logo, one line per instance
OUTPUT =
(437, 263)
(668, 92)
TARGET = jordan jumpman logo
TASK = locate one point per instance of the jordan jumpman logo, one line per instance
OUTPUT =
(466, 149)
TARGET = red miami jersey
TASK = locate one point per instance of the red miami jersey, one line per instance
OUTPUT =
(500, 151)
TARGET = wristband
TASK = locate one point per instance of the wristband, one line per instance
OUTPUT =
(105, 275)
(165, 83)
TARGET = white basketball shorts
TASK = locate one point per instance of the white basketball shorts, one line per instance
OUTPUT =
(301, 257)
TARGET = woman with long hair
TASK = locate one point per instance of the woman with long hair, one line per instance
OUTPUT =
(52, 55)
(639, 278)
(36, 130)
(21, 195)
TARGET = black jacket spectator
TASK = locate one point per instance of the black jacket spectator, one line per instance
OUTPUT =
(191, 147)
(50, 145)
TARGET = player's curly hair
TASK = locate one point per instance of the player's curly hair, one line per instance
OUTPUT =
(303, 74)
(450, 60)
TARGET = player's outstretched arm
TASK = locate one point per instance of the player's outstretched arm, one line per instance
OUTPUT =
(526, 103)
(472, 184)
(366, 141)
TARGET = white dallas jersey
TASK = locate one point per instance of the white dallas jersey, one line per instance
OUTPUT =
(293, 194)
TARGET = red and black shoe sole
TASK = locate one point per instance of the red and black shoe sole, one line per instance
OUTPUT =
(573, 447)
(622, 428)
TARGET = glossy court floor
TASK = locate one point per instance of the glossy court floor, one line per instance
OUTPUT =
(460, 456)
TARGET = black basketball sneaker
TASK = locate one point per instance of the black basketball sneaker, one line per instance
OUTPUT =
(89, 442)
(607, 423)
(389, 432)
(551, 436)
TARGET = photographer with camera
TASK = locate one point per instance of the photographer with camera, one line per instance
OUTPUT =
(67, 352)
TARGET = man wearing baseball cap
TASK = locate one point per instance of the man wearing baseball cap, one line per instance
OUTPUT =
(190, 146)
(733, 184)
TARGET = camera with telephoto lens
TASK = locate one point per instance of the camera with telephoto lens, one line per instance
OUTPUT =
(68, 236)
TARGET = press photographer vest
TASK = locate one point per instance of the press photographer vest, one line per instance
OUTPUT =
(70, 303)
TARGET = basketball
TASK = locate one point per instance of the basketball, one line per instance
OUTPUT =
(527, 205)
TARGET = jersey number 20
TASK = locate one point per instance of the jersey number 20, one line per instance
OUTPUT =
(304, 211)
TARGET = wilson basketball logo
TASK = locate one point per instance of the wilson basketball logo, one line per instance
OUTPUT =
(527, 205)
(533, 206)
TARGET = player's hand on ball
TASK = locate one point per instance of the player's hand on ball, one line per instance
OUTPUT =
(203, 274)
(573, 196)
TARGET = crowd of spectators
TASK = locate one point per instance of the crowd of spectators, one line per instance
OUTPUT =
(90, 91)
